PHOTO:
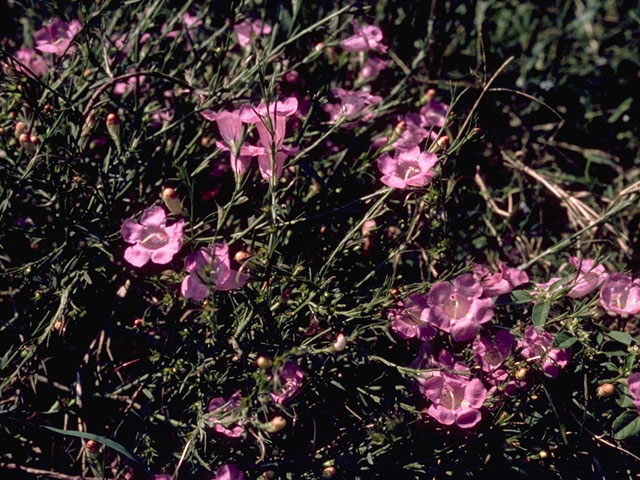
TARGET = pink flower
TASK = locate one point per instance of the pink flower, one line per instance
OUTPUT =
(56, 37)
(151, 237)
(271, 122)
(433, 115)
(490, 354)
(224, 415)
(352, 104)
(210, 267)
(589, 278)
(458, 308)
(621, 294)
(409, 168)
(162, 476)
(537, 347)
(34, 62)
(499, 283)
(246, 29)
(372, 68)
(406, 320)
(633, 382)
(288, 382)
(228, 472)
(368, 37)
(128, 85)
(456, 398)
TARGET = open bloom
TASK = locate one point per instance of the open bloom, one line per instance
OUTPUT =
(455, 397)
(372, 67)
(352, 104)
(536, 346)
(633, 382)
(433, 116)
(271, 122)
(492, 353)
(502, 282)
(457, 308)
(56, 37)
(152, 239)
(224, 415)
(621, 294)
(288, 382)
(589, 278)
(30, 58)
(406, 321)
(367, 37)
(210, 267)
(228, 472)
(408, 168)
(245, 30)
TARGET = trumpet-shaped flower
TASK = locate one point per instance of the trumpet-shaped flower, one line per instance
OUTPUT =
(633, 382)
(352, 104)
(248, 29)
(57, 36)
(590, 277)
(620, 294)
(372, 67)
(408, 168)
(288, 382)
(224, 415)
(491, 354)
(406, 321)
(536, 347)
(367, 37)
(152, 239)
(457, 308)
(433, 116)
(210, 267)
(502, 282)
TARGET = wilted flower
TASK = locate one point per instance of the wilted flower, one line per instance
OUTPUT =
(405, 318)
(224, 416)
(56, 37)
(620, 294)
(536, 346)
(458, 308)
(456, 398)
(502, 282)
(589, 278)
(288, 382)
(210, 267)
(247, 29)
(633, 382)
(367, 37)
(152, 238)
(408, 168)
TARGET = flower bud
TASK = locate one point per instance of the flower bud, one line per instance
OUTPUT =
(171, 200)
(428, 96)
(240, 256)
(606, 390)
(543, 454)
(92, 445)
(443, 141)
(521, 374)
(329, 472)
(340, 343)
(267, 475)
(264, 362)
(399, 128)
(113, 127)
(19, 128)
(276, 424)
(57, 325)
(319, 46)
(138, 322)
(34, 139)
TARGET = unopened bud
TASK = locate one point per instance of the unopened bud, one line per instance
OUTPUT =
(23, 139)
(138, 322)
(428, 96)
(240, 256)
(399, 128)
(19, 128)
(87, 73)
(112, 119)
(268, 475)
(340, 343)
(319, 46)
(172, 201)
(521, 374)
(606, 390)
(394, 291)
(34, 139)
(57, 325)
(543, 454)
(2, 131)
(443, 141)
(276, 424)
(113, 127)
(329, 472)
(264, 362)
(92, 445)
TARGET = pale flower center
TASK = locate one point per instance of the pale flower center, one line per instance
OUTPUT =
(456, 306)
(154, 238)
(619, 297)
(451, 398)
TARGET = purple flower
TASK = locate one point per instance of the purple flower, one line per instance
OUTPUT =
(408, 168)
(633, 382)
(455, 397)
(34, 62)
(372, 67)
(288, 382)
(224, 415)
(537, 347)
(368, 37)
(458, 308)
(405, 318)
(228, 472)
(245, 30)
(352, 104)
(490, 354)
(152, 239)
(502, 282)
(433, 116)
(210, 267)
(589, 278)
(56, 37)
(621, 294)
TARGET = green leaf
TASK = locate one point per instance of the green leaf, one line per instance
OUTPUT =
(621, 337)
(540, 313)
(632, 428)
(521, 296)
(100, 439)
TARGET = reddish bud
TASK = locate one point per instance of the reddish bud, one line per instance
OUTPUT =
(276, 424)
(57, 325)
(23, 138)
(171, 200)
(443, 141)
(34, 139)
(19, 128)
(340, 343)
(112, 119)
(329, 472)
(606, 390)
(240, 256)
(92, 445)
(264, 362)
(521, 374)
(138, 322)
